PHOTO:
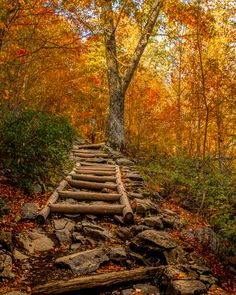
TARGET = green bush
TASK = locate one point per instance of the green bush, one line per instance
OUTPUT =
(33, 147)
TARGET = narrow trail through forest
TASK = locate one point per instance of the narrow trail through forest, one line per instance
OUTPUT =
(101, 232)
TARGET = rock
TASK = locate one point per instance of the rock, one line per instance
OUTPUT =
(64, 227)
(143, 206)
(84, 262)
(77, 237)
(142, 289)
(172, 222)
(186, 287)
(19, 256)
(135, 229)
(124, 162)
(134, 176)
(6, 266)
(6, 241)
(75, 246)
(91, 217)
(136, 195)
(206, 236)
(124, 233)
(174, 272)
(96, 232)
(154, 240)
(154, 221)
(119, 219)
(34, 241)
(29, 211)
(176, 256)
(117, 254)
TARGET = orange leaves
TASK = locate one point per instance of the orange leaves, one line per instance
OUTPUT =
(110, 267)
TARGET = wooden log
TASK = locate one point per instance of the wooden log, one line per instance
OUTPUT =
(93, 178)
(86, 209)
(92, 160)
(91, 146)
(90, 196)
(97, 281)
(90, 151)
(43, 214)
(127, 212)
(83, 155)
(86, 164)
(91, 185)
(95, 172)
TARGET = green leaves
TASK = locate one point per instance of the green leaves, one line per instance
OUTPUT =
(33, 146)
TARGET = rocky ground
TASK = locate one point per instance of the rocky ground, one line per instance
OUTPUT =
(74, 246)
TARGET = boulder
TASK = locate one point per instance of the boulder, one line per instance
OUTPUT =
(176, 256)
(143, 206)
(84, 262)
(186, 287)
(29, 211)
(154, 221)
(154, 240)
(34, 241)
(172, 221)
(96, 232)
(206, 236)
(134, 176)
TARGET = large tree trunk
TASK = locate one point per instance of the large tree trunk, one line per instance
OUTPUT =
(118, 85)
(116, 113)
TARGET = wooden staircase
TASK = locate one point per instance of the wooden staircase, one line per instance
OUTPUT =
(95, 184)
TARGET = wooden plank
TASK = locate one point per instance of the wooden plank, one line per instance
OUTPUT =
(97, 281)
(94, 178)
(91, 185)
(86, 209)
(92, 160)
(89, 196)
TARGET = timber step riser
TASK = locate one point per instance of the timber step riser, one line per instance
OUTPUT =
(90, 181)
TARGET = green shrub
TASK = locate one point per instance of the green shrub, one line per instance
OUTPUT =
(33, 147)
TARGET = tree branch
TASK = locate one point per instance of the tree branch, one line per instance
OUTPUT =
(143, 41)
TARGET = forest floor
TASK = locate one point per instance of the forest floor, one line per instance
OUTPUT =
(40, 269)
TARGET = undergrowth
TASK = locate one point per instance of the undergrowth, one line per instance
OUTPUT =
(199, 187)
(34, 147)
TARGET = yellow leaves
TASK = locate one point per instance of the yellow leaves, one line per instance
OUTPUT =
(6, 94)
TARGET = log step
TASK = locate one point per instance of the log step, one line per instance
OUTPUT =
(83, 155)
(93, 160)
(91, 146)
(86, 209)
(83, 196)
(95, 172)
(94, 178)
(91, 185)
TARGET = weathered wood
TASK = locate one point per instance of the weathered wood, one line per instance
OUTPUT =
(93, 178)
(89, 196)
(90, 151)
(91, 146)
(91, 185)
(95, 172)
(92, 160)
(97, 281)
(86, 164)
(43, 214)
(127, 211)
(83, 155)
(86, 209)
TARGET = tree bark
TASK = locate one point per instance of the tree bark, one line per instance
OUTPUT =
(92, 185)
(90, 196)
(118, 84)
(97, 281)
